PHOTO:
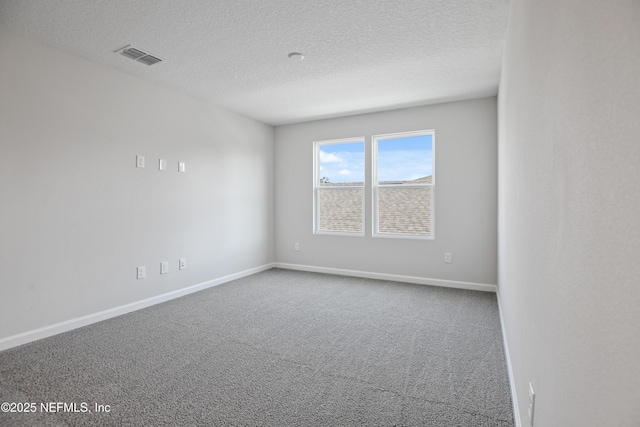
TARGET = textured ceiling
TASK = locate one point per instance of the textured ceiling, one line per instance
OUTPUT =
(360, 55)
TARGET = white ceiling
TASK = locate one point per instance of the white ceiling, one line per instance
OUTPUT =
(360, 55)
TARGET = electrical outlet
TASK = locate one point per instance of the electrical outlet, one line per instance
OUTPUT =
(182, 263)
(532, 404)
(139, 161)
(164, 267)
(296, 246)
(447, 257)
(141, 274)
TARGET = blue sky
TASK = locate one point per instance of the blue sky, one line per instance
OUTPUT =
(399, 159)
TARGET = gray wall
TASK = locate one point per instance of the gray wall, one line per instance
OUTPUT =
(466, 195)
(569, 209)
(77, 217)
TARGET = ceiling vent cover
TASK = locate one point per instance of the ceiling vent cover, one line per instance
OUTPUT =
(138, 55)
(149, 60)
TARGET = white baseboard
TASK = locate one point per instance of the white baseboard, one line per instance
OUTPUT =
(512, 384)
(47, 331)
(393, 277)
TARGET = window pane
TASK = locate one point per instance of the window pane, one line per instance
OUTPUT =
(340, 209)
(341, 163)
(404, 210)
(405, 160)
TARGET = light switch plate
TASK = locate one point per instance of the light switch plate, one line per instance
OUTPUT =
(162, 164)
(181, 167)
(164, 267)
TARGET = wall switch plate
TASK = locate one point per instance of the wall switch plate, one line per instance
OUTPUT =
(447, 257)
(181, 167)
(532, 404)
(164, 267)
(141, 274)
(162, 164)
(139, 161)
(182, 263)
(296, 246)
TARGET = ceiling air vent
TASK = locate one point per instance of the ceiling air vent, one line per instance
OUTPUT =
(149, 60)
(138, 55)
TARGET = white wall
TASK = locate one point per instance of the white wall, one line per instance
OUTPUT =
(77, 217)
(569, 209)
(466, 195)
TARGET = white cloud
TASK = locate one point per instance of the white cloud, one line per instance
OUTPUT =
(402, 165)
(329, 157)
(343, 166)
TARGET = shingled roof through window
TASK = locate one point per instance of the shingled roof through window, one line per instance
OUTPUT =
(401, 210)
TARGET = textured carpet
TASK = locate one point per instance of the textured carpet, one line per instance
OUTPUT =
(279, 348)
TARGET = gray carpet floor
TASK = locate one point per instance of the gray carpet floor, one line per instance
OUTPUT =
(279, 348)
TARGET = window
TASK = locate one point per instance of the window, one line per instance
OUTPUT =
(338, 185)
(403, 185)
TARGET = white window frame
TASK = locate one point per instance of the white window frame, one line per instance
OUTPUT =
(316, 186)
(375, 186)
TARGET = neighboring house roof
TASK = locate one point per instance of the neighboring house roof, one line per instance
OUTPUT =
(401, 210)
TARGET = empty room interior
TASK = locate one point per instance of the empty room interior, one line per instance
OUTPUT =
(328, 213)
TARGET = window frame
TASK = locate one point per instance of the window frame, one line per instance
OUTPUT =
(316, 185)
(375, 186)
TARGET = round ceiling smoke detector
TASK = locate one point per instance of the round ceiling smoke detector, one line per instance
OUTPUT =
(296, 56)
